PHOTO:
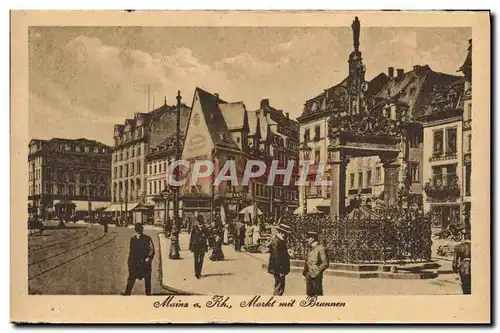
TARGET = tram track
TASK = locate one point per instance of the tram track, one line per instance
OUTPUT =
(58, 241)
(74, 257)
(67, 250)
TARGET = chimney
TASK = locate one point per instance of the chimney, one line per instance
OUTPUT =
(165, 100)
(216, 97)
(400, 73)
(287, 115)
(390, 72)
(264, 103)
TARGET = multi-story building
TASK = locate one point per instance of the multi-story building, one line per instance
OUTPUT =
(447, 151)
(220, 131)
(70, 176)
(466, 68)
(133, 141)
(159, 158)
(404, 95)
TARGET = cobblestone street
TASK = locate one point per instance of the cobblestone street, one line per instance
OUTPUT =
(82, 260)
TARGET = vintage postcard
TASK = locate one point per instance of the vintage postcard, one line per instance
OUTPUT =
(250, 167)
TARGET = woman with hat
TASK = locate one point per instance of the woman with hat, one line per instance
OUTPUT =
(316, 263)
(279, 260)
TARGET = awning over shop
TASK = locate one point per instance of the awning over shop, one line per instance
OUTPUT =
(113, 208)
(324, 204)
(96, 205)
(143, 207)
(130, 206)
(312, 207)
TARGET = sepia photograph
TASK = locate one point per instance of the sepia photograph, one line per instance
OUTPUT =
(254, 165)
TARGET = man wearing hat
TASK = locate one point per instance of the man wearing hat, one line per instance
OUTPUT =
(140, 256)
(316, 263)
(462, 263)
(279, 260)
(198, 244)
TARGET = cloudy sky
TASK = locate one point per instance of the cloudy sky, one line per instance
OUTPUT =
(83, 80)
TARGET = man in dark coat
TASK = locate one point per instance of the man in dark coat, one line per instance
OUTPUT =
(140, 256)
(239, 235)
(316, 263)
(462, 263)
(279, 259)
(198, 244)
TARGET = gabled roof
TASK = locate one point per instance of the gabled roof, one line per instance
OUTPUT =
(413, 89)
(234, 115)
(253, 122)
(216, 123)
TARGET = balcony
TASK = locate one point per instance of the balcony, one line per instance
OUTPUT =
(442, 189)
(443, 156)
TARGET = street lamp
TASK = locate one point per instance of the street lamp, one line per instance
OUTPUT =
(165, 194)
(306, 155)
(174, 236)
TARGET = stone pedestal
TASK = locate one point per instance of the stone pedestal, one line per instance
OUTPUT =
(391, 183)
(338, 165)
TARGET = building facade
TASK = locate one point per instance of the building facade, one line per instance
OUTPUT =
(74, 172)
(220, 131)
(398, 95)
(447, 151)
(133, 141)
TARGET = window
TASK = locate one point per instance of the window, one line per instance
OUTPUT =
(451, 141)
(307, 134)
(154, 183)
(414, 172)
(155, 168)
(319, 190)
(317, 132)
(150, 169)
(369, 178)
(467, 180)
(150, 186)
(237, 139)
(165, 167)
(114, 172)
(121, 171)
(317, 156)
(351, 180)
(159, 167)
(138, 150)
(415, 137)
(131, 169)
(126, 171)
(132, 152)
(138, 167)
(451, 174)
(437, 177)
(438, 142)
(360, 179)
(469, 143)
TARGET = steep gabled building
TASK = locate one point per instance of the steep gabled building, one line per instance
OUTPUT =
(220, 131)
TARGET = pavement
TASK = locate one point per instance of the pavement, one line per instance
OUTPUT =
(241, 273)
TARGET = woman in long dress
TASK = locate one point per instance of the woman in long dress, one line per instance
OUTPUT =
(249, 235)
(225, 239)
(256, 234)
(217, 253)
